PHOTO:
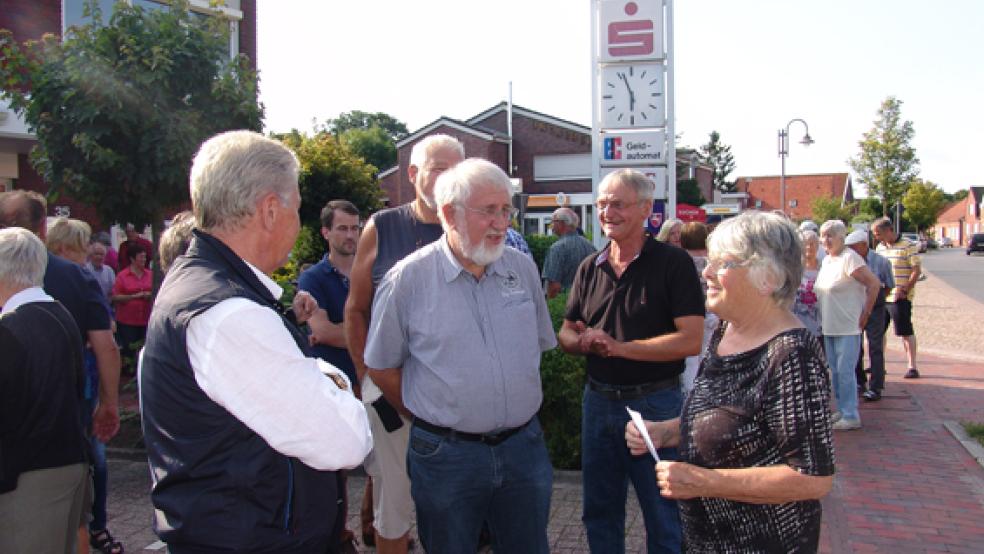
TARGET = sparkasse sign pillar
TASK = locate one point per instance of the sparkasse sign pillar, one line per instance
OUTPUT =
(632, 96)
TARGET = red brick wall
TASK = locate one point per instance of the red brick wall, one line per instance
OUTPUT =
(30, 180)
(30, 19)
(533, 137)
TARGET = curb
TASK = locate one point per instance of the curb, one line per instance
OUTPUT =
(974, 448)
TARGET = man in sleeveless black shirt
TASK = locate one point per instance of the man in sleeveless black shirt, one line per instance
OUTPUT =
(389, 236)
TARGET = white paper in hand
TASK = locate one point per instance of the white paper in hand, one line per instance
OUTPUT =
(641, 426)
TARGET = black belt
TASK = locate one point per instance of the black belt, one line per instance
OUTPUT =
(631, 392)
(490, 439)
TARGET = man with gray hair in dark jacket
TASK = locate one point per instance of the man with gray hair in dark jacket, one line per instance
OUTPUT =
(244, 432)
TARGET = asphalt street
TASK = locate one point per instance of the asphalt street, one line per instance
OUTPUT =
(957, 269)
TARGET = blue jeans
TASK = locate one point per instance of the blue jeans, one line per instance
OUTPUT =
(456, 485)
(842, 355)
(607, 466)
(100, 475)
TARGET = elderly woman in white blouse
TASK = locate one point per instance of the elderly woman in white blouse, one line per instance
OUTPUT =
(846, 290)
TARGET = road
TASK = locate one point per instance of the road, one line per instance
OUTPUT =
(957, 269)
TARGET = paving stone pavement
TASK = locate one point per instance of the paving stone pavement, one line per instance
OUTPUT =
(904, 484)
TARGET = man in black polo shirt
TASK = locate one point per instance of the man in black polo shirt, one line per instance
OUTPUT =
(635, 311)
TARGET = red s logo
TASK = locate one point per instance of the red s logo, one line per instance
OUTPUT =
(630, 38)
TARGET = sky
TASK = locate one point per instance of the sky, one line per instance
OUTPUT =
(742, 68)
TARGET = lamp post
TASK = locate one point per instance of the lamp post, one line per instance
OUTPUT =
(784, 151)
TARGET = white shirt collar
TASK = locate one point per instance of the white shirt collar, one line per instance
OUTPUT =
(26, 296)
(276, 290)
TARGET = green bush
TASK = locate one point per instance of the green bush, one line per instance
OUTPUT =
(308, 249)
(539, 244)
(563, 378)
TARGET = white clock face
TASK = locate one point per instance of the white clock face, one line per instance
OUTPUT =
(632, 96)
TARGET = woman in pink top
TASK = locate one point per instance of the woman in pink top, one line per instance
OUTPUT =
(131, 296)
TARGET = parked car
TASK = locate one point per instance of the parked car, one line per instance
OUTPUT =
(946, 242)
(915, 238)
(976, 243)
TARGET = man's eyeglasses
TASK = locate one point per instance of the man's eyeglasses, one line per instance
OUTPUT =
(617, 205)
(492, 212)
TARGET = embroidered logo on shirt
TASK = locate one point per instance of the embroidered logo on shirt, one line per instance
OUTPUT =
(511, 284)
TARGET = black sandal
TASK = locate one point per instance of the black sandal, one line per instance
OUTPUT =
(103, 542)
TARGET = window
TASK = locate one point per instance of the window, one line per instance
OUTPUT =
(793, 203)
(758, 204)
(72, 14)
(562, 167)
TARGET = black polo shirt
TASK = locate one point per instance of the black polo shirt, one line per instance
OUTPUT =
(661, 284)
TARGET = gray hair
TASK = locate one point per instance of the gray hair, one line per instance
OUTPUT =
(664, 232)
(432, 143)
(23, 258)
(809, 235)
(643, 186)
(456, 184)
(834, 228)
(566, 215)
(232, 171)
(769, 245)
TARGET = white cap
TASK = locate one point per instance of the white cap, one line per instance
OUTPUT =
(857, 237)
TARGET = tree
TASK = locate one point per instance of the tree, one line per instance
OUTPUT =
(357, 119)
(120, 109)
(923, 203)
(887, 162)
(719, 156)
(870, 207)
(372, 144)
(824, 208)
(689, 193)
(331, 170)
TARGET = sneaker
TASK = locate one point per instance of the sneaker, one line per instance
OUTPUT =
(836, 416)
(913, 373)
(872, 396)
(847, 424)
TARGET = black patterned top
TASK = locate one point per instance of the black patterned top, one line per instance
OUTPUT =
(763, 407)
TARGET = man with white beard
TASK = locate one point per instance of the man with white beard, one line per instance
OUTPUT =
(465, 319)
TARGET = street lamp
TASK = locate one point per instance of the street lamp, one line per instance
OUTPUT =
(784, 151)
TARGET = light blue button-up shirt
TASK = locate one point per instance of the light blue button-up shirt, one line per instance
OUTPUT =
(881, 267)
(469, 348)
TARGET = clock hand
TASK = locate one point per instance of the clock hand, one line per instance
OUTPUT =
(631, 93)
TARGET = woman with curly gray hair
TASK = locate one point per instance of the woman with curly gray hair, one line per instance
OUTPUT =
(756, 453)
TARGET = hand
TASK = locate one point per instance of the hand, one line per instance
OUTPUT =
(658, 433)
(680, 480)
(105, 421)
(319, 323)
(864, 320)
(304, 306)
(599, 343)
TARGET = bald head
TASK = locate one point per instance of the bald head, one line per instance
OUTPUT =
(25, 209)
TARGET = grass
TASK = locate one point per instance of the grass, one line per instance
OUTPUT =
(975, 430)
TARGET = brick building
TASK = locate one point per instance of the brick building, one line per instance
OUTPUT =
(550, 160)
(31, 19)
(801, 190)
(961, 219)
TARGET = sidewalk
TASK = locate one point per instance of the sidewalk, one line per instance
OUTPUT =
(904, 484)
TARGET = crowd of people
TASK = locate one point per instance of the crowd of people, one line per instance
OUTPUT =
(413, 348)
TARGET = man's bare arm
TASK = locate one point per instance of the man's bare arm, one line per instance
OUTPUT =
(106, 419)
(358, 306)
(323, 331)
(683, 342)
(390, 383)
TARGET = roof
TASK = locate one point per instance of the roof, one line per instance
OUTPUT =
(834, 184)
(532, 114)
(952, 212)
(445, 121)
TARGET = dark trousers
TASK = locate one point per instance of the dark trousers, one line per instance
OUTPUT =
(874, 331)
